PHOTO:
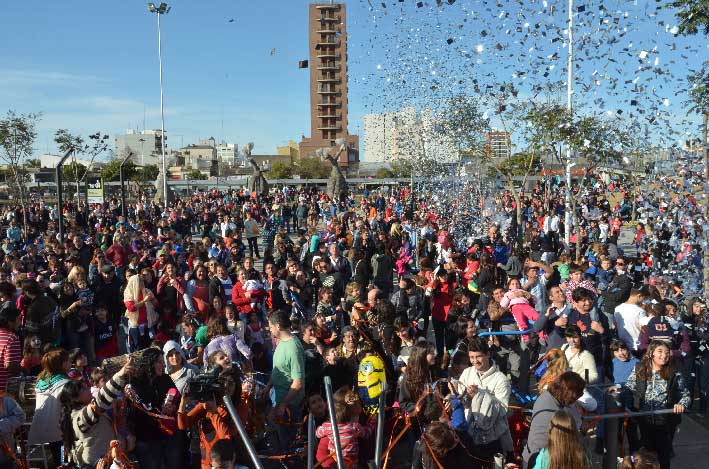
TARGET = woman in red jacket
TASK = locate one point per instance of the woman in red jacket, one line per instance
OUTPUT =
(441, 291)
(239, 297)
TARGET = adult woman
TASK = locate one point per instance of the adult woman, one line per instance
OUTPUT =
(211, 418)
(46, 421)
(171, 289)
(149, 279)
(197, 294)
(657, 385)
(86, 428)
(140, 310)
(441, 291)
(443, 449)
(157, 442)
(221, 339)
(416, 376)
(562, 393)
(565, 448)
(239, 296)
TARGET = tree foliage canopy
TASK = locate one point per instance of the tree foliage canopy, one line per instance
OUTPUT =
(693, 16)
(280, 170)
(313, 168)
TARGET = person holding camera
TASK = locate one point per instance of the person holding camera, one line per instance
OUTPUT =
(87, 429)
(209, 413)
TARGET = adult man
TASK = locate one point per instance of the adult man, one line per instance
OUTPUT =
(618, 289)
(221, 284)
(251, 231)
(339, 263)
(287, 378)
(628, 317)
(41, 313)
(486, 395)
(554, 319)
(536, 284)
(83, 252)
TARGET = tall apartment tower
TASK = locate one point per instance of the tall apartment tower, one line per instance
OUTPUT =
(328, 83)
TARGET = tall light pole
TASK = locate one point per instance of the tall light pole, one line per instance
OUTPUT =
(569, 93)
(163, 9)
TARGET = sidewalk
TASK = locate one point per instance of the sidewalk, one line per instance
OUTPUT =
(691, 445)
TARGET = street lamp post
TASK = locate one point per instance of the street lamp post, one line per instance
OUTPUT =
(162, 9)
(569, 93)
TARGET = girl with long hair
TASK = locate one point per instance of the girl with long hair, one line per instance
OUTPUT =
(565, 448)
(656, 385)
(46, 420)
(556, 365)
(417, 375)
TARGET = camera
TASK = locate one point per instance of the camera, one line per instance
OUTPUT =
(202, 387)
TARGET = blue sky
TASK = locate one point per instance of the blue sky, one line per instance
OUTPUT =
(91, 66)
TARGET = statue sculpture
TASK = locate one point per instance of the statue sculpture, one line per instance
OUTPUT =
(257, 183)
(159, 186)
(336, 183)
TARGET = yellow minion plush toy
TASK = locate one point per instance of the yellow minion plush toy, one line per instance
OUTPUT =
(370, 377)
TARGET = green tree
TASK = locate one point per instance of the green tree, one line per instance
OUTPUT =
(110, 171)
(693, 16)
(197, 175)
(401, 168)
(699, 104)
(147, 173)
(74, 172)
(17, 136)
(89, 148)
(384, 173)
(280, 170)
(313, 168)
(33, 163)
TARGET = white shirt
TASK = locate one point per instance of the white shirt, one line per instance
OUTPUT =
(628, 319)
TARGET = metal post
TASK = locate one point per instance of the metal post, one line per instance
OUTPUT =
(380, 427)
(333, 422)
(58, 179)
(124, 210)
(162, 120)
(569, 92)
(311, 441)
(242, 432)
(86, 193)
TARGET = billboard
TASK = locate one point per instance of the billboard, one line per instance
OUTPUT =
(95, 189)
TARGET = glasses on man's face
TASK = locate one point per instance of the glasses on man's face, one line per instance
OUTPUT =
(621, 264)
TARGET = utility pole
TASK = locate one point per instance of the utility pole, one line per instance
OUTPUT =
(569, 93)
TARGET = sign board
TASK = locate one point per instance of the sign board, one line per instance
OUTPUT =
(95, 189)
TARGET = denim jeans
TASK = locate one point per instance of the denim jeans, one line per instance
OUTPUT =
(139, 337)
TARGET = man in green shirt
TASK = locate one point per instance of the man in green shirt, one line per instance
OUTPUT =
(287, 378)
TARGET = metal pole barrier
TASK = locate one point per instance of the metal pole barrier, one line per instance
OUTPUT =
(611, 442)
(380, 427)
(311, 441)
(333, 422)
(489, 333)
(60, 202)
(628, 414)
(124, 210)
(242, 432)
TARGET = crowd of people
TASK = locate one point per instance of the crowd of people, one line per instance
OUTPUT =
(138, 326)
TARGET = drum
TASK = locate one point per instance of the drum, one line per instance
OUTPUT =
(22, 388)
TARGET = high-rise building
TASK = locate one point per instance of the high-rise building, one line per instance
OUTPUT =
(145, 146)
(497, 144)
(406, 134)
(328, 83)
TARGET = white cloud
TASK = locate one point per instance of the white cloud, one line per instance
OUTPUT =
(34, 78)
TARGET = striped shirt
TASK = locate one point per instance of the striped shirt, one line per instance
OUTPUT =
(349, 434)
(10, 352)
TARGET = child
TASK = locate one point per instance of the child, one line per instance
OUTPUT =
(32, 355)
(255, 289)
(98, 379)
(105, 337)
(322, 329)
(623, 366)
(642, 459)
(218, 305)
(79, 364)
(348, 408)
(519, 301)
(84, 293)
(325, 308)
(255, 329)
(235, 325)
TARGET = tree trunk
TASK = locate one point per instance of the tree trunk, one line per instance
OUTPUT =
(705, 232)
(705, 123)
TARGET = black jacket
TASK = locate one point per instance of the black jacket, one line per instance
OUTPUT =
(617, 292)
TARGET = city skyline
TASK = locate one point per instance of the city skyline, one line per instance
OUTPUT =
(231, 71)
